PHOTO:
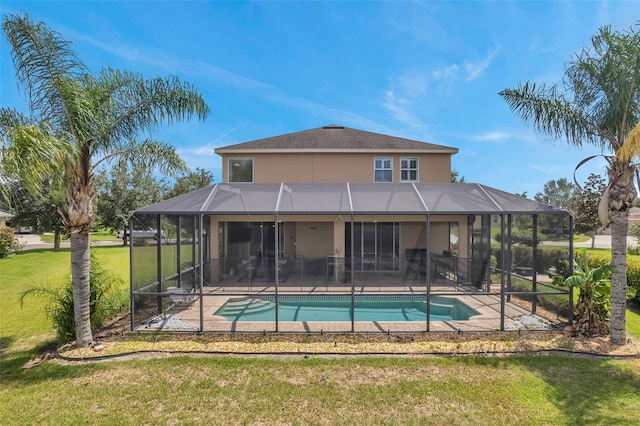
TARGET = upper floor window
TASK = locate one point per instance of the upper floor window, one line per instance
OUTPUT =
(383, 169)
(408, 169)
(240, 169)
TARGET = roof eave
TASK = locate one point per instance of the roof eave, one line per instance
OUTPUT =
(224, 151)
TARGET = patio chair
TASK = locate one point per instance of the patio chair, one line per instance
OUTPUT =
(179, 295)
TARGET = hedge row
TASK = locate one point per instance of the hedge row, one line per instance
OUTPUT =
(522, 256)
(551, 257)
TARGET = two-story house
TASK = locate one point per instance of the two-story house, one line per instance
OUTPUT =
(330, 211)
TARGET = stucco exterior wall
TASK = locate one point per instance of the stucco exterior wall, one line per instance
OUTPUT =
(337, 167)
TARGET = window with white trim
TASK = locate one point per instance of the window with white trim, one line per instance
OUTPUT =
(383, 169)
(408, 170)
(240, 169)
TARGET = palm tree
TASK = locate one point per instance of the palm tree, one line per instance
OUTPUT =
(99, 117)
(598, 103)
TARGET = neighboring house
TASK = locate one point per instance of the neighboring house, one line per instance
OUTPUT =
(5, 218)
(634, 215)
(333, 211)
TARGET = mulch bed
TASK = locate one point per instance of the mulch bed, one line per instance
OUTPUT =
(115, 341)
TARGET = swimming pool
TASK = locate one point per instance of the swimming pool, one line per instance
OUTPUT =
(338, 308)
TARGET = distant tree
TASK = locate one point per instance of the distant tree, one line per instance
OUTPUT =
(455, 177)
(584, 206)
(190, 181)
(38, 210)
(122, 189)
(523, 194)
(556, 193)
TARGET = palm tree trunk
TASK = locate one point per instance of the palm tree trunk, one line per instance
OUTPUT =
(619, 228)
(80, 264)
(56, 239)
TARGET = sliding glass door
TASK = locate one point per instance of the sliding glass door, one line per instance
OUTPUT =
(375, 245)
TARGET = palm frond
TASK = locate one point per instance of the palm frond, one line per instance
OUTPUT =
(45, 63)
(29, 150)
(550, 112)
(153, 154)
(136, 104)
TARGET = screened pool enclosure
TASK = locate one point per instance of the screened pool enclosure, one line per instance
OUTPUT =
(348, 258)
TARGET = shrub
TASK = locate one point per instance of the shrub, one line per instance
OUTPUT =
(522, 256)
(105, 301)
(594, 297)
(633, 250)
(518, 237)
(633, 269)
(8, 241)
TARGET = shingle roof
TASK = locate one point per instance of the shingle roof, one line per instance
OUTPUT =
(333, 137)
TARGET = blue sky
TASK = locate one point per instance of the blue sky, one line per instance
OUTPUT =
(428, 71)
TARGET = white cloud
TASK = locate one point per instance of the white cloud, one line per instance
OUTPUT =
(406, 97)
(401, 109)
(499, 135)
(475, 70)
(445, 73)
(256, 88)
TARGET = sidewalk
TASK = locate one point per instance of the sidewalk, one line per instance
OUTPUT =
(33, 241)
(601, 241)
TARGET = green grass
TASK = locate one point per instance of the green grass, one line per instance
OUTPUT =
(103, 235)
(233, 390)
(27, 327)
(633, 320)
(363, 391)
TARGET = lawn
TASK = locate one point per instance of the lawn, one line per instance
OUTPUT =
(104, 235)
(293, 389)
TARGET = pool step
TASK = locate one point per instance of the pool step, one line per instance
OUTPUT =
(247, 306)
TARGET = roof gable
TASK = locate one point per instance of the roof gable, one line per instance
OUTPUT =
(335, 138)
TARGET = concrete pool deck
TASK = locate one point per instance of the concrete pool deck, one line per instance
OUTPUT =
(186, 316)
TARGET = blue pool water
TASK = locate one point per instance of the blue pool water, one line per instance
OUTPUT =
(338, 308)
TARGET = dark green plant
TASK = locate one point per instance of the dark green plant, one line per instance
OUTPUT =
(594, 297)
(107, 299)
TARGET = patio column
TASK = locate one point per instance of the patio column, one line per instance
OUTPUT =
(131, 283)
(353, 279)
(534, 258)
(503, 260)
(428, 271)
(179, 249)
(338, 246)
(201, 269)
(159, 257)
(571, 267)
(276, 265)
(214, 249)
